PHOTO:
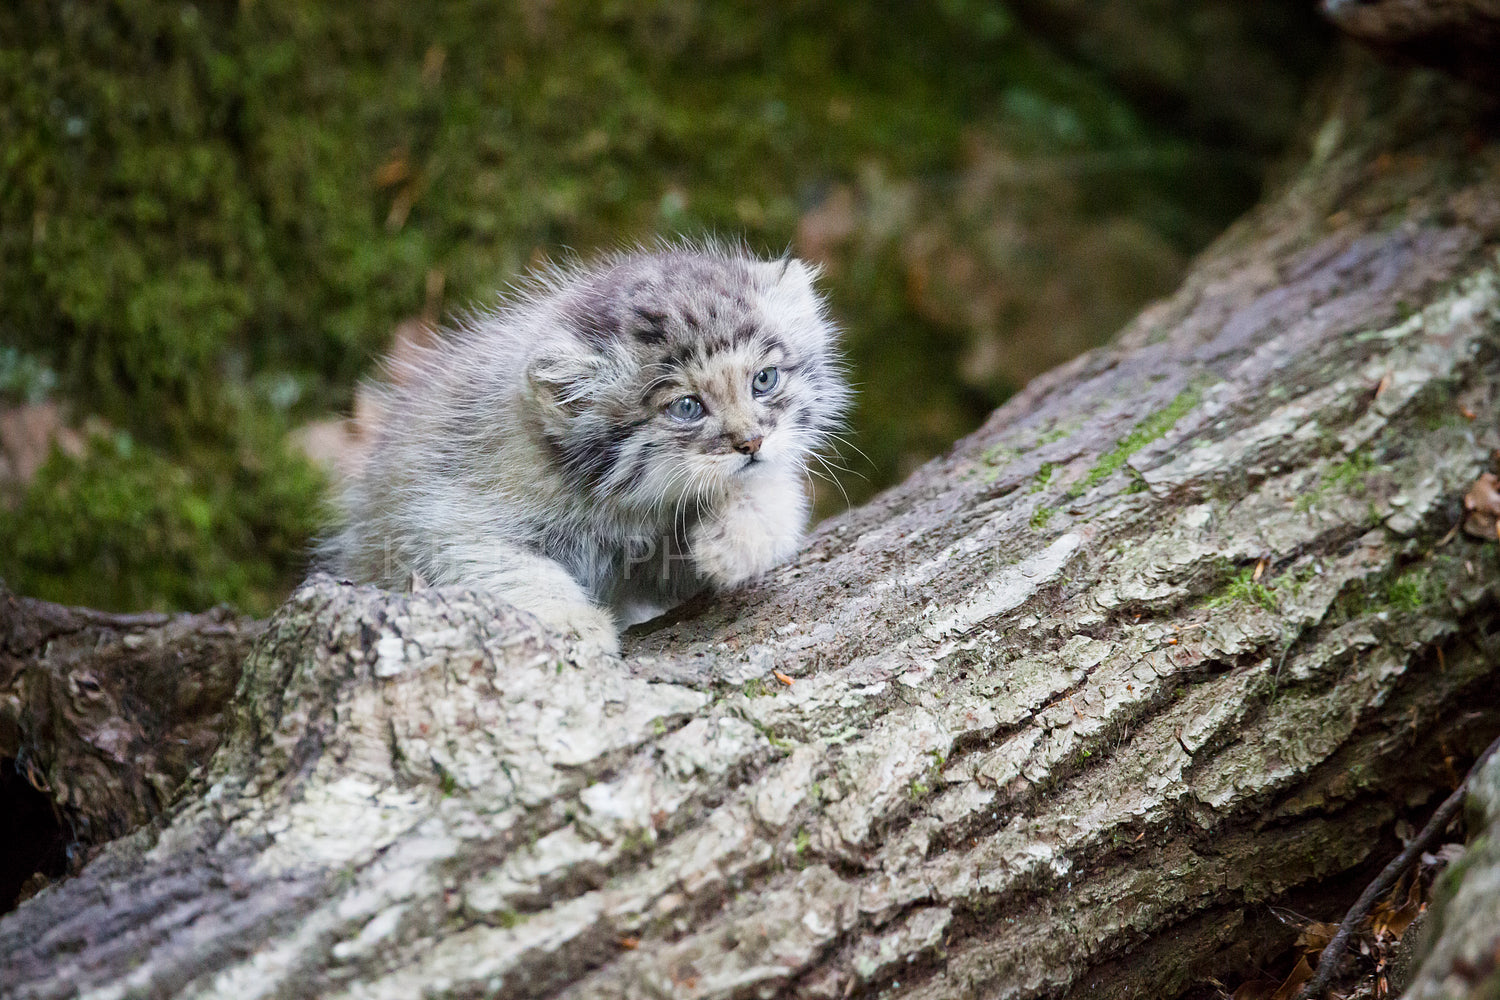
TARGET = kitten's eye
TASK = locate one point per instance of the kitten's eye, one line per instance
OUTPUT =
(686, 408)
(764, 381)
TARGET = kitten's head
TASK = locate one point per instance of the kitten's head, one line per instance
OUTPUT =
(676, 371)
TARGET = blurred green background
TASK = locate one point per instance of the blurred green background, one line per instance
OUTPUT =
(213, 216)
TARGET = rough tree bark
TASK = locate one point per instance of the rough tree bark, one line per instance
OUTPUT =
(105, 714)
(123, 706)
(1179, 632)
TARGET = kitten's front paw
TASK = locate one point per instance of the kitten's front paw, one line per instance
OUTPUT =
(581, 621)
(749, 536)
(593, 626)
(539, 585)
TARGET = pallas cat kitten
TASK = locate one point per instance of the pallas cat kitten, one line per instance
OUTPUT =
(618, 436)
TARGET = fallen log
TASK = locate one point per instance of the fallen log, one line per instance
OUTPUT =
(1179, 633)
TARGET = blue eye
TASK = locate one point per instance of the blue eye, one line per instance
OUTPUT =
(764, 381)
(686, 408)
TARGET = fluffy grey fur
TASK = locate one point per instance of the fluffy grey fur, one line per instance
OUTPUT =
(619, 436)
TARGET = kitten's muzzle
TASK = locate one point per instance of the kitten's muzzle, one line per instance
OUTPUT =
(749, 446)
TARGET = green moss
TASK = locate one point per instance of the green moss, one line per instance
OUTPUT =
(1145, 432)
(1040, 517)
(126, 525)
(1055, 434)
(1349, 475)
(993, 462)
(756, 688)
(1043, 477)
(1407, 593)
(1243, 587)
(1299, 580)
(1351, 603)
(1414, 590)
(766, 731)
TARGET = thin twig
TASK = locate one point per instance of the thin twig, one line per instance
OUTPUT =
(1333, 954)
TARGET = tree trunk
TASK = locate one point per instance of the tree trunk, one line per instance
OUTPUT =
(1177, 634)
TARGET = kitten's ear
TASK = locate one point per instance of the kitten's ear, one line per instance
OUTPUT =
(792, 275)
(562, 381)
(789, 297)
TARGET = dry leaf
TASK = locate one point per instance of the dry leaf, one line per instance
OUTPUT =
(392, 171)
(333, 444)
(432, 65)
(27, 434)
(1292, 985)
(1482, 503)
(343, 445)
(1392, 916)
(1401, 919)
(1315, 937)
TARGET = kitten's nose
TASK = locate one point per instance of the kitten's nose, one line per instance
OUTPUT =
(749, 446)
